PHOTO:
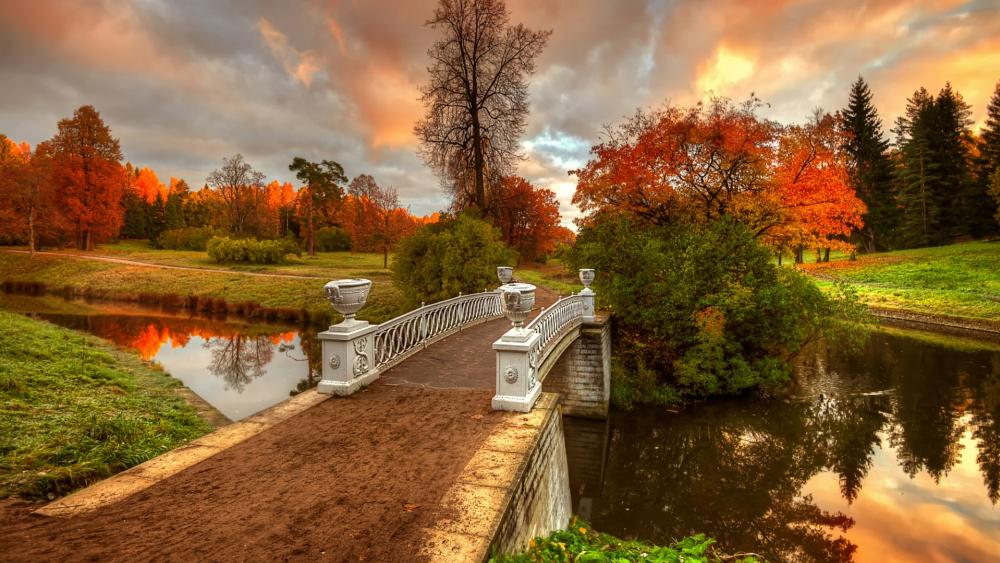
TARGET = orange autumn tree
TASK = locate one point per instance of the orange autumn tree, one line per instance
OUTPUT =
(788, 186)
(528, 218)
(27, 209)
(87, 172)
(818, 207)
(149, 185)
(373, 218)
(676, 164)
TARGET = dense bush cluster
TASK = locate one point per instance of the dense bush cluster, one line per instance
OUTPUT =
(448, 257)
(187, 238)
(332, 239)
(248, 251)
(701, 309)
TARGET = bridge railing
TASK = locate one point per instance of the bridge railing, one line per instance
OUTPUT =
(355, 352)
(522, 351)
(398, 338)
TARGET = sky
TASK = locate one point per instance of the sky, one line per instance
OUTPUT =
(184, 83)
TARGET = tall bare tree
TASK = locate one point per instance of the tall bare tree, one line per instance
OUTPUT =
(242, 190)
(477, 96)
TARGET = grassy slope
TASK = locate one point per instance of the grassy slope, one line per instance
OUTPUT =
(960, 280)
(74, 409)
(118, 281)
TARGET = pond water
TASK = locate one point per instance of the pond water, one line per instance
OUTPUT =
(888, 454)
(238, 367)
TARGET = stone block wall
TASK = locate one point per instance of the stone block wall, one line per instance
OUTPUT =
(583, 374)
(541, 502)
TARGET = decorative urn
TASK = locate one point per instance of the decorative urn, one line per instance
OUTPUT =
(517, 300)
(586, 277)
(348, 297)
(505, 274)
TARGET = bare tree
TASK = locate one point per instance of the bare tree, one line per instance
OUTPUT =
(375, 208)
(477, 96)
(241, 188)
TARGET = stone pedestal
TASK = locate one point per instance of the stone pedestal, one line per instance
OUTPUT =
(517, 384)
(348, 357)
(588, 296)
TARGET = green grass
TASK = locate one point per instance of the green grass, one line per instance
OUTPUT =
(582, 544)
(329, 265)
(553, 275)
(74, 410)
(127, 282)
(960, 280)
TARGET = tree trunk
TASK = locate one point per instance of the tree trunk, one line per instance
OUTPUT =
(89, 240)
(779, 258)
(31, 231)
(311, 243)
(826, 254)
(800, 255)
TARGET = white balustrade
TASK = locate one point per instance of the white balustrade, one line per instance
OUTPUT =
(356, 352)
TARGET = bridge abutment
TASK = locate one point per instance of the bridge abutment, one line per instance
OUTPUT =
(583, 374)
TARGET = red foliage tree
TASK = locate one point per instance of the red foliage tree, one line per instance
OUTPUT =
(528, 218)
(87, 171)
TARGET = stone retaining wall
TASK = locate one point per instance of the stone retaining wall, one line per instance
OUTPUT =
(540, 503)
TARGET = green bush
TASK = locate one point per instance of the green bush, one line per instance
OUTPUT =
(332, 239)
(187, 238)
(701, 307)
(247, 251)
(580, 543)
(443, 259)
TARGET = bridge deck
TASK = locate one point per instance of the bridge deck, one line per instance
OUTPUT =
(354, 479)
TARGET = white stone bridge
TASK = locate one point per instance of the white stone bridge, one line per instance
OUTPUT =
(563, 346)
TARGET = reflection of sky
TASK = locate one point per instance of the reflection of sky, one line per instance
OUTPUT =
(189, 363)
(903, 519)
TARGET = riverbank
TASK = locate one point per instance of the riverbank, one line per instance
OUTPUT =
(74, 409)
(950, 286)
(255, 295)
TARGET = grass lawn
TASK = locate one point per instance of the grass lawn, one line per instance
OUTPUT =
(128, 282)
(959, 280)
(329, 265)
(553, 275)
(74, 409)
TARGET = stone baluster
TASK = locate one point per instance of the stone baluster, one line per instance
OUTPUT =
(349, 346)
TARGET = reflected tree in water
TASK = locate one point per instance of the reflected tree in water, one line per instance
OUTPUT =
(313, 361)
(239, 359)
(736, 469)
(732, 469)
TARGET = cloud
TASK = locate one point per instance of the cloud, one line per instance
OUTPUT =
(185, 83)
(301, 65)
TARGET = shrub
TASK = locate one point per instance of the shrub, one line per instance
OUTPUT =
(187, 238)
(332, 239)
(445, 258)
(701, 306)
(247, 251)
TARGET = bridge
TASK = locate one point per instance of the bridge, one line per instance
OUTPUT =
(454, 450)
(355, 352)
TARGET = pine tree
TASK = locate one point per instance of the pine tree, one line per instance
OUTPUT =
(951, 149)
(987, 166)
(870, 167)
(917, 176)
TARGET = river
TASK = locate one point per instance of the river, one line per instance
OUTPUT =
(238, 367)
(890, 453)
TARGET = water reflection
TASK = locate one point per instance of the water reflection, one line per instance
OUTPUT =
(891, 453)
(238, 367)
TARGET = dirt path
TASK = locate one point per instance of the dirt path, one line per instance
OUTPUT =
(355, 479)
(128, 262)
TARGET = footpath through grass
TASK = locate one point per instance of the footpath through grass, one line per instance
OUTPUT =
(579, 543)
(74, 409)
(959, 280)
(284, 298)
